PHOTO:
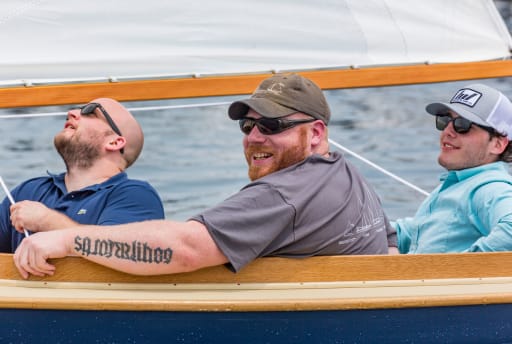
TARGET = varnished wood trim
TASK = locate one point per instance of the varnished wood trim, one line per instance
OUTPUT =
(257, 305)
(238, 84)
(314, 269)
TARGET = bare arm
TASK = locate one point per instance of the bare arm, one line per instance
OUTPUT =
(142, 248)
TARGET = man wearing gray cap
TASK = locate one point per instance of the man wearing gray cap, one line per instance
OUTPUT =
(471, 210)
(303, 201)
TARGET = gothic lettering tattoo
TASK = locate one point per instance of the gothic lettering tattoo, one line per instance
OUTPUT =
(136, 251)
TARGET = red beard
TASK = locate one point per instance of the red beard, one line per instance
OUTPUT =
(281, 158)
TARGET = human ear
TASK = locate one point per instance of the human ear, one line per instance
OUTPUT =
(319, 130)
(116, 144)
(500, 144)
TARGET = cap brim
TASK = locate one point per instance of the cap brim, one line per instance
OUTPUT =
(263, 106)
(442, 108)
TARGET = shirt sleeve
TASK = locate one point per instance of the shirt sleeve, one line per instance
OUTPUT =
(250, 224)
(492, 215)
(131, 201)
(5, 227)
(403, 232)
(9, 237)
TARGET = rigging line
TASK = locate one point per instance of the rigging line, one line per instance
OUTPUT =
(386, 172)
(182, 106)
(28, 115)
(11, 199)
(146, 108)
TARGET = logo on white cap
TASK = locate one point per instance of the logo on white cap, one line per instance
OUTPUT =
(467, 97)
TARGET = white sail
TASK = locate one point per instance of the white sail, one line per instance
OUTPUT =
(47, 41)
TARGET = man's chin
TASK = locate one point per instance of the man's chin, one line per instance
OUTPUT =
(257, 173)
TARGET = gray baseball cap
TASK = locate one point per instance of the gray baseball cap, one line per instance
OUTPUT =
(281, 95)
(480, 104)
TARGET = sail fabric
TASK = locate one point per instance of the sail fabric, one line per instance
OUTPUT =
(52, 40)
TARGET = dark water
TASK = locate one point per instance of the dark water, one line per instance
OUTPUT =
(194, 158)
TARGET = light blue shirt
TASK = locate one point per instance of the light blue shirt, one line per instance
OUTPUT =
(471, 210)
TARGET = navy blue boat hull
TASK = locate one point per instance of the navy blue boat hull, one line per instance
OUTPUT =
(462, 324)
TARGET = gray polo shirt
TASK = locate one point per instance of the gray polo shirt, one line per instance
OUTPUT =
(320, 206)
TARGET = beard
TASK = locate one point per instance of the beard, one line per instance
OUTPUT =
(77, 152)
(282, 159)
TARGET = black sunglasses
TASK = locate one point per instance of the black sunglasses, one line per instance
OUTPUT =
(460, 124)
(88, 109)
(270, 126)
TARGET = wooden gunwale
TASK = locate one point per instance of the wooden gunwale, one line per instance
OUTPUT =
(284, 270)
(244, 84)
(271, 284)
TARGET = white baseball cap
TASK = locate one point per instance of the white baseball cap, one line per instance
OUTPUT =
(480, 104)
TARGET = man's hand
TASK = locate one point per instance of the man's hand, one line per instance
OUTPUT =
(30, 215)
(32, 254)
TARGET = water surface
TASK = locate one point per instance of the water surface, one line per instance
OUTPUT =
(194, 157)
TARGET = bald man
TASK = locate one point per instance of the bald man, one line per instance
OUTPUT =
(99, 141)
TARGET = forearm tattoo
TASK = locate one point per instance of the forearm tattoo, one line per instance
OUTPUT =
(136, 251)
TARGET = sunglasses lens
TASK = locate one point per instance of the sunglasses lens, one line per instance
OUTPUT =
(246, 125)
(88, 109)
(269, 126)
(442, 122)
(461, 125)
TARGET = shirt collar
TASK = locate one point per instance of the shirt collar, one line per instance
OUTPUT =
(58, 180)
(458, 175)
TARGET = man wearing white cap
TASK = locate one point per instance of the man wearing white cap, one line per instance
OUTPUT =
(471, 210)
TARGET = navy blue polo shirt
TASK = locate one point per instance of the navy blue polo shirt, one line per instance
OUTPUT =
(115, 201)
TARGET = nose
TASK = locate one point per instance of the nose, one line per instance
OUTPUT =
(74, 113)
(449, 130)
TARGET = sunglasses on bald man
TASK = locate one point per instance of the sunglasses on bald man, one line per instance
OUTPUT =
(88, 109)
